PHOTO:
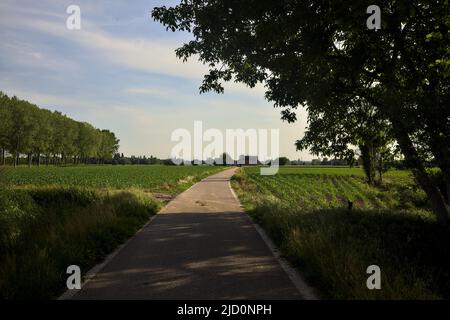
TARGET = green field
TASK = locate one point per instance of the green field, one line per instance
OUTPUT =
(157, 178)
(322, 187)
(304, 210)
(53, 217)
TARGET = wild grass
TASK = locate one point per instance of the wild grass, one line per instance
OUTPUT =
(306, 214)
(44, 230)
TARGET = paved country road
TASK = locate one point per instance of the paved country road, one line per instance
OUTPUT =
(200, 246)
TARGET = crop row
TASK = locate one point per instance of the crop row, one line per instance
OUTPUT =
(314, 188)
(167, 179)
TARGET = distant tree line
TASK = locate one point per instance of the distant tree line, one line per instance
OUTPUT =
(327, 162)
(42, 135)
(119, 158)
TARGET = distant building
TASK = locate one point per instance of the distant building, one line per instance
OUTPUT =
(248, 160)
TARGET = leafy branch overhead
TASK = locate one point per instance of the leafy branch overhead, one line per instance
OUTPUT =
(321, 56)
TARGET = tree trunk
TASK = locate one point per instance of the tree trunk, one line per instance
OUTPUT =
(437, 202)
(380, 169)
(446, 184)
(3, 156)
(30, 159)
(422, 177)
(367, 158)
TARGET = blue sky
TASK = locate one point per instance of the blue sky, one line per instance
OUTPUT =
(120, 72)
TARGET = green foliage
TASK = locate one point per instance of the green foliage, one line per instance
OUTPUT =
(27, 129)
(283, 161)
(17, 209)
(5, 120)
(46, 233)
(340, 131)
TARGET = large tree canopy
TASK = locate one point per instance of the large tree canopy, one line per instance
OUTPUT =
(320, 55)
(338, 133)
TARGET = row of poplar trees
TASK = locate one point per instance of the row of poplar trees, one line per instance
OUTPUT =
(51, 137)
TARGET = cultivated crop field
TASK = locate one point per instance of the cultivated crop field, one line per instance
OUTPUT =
(305, 211)
(156, 178)
(325, 187)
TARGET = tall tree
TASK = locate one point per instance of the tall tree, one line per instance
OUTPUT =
(109, 145)
(69, 138)
(44, 134)
(87, 141)
(23, 128)
(5, 125)
(339, 132)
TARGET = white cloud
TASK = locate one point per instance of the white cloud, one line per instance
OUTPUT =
(156, 56)
(153, 91)
(151, 55)
(36, 98)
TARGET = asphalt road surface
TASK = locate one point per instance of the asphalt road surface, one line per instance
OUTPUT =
(200, 246)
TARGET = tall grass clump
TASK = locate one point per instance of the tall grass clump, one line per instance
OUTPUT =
(44, 230)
